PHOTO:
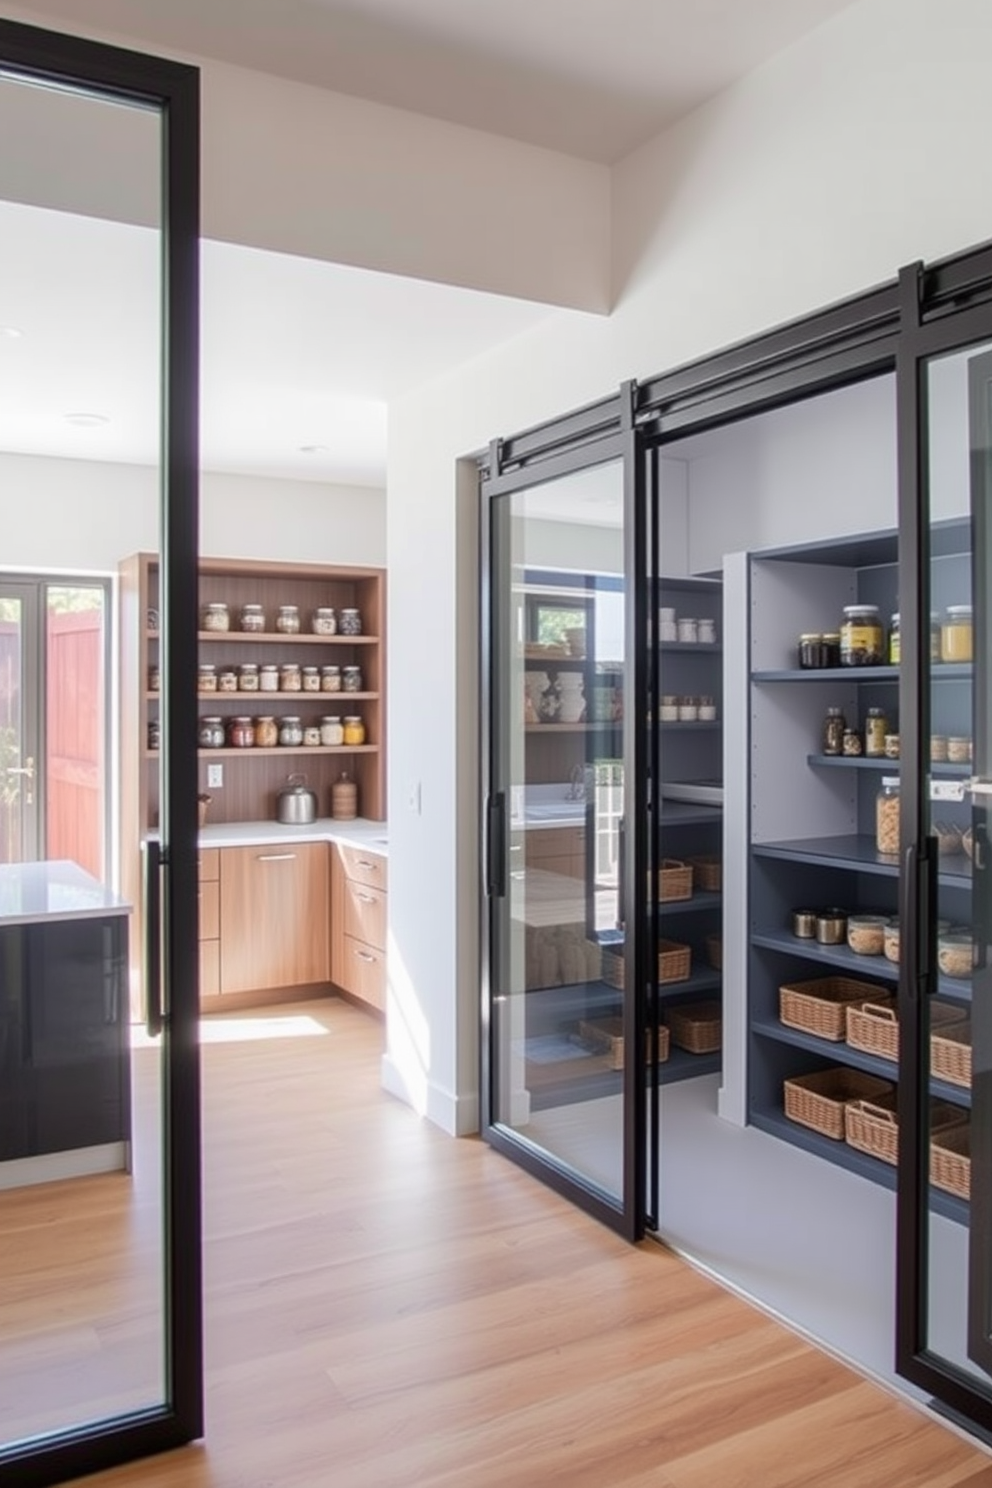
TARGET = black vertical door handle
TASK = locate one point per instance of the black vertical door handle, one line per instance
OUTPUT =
(496, 846)
(151, 950)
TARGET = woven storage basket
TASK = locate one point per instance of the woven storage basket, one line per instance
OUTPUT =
(708, 873)
(950, 1053)
(950, 1160)
(818, 1100)
(674, 961)
(674, 880)
(696, 1027)
(714, 951)
(612, 967)
(873, 1026)
(818, 1006)
(873, 1127)
(606, 1037)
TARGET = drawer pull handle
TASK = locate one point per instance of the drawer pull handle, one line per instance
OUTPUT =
(365, 898)
(364, 956)
(276, 857)
(364, 863)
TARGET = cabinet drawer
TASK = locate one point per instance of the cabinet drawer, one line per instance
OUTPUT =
(554, 843)
(362, 866)
(209, 863)
(209, 910)
(209, 968)
(364, 972)
(365, 914)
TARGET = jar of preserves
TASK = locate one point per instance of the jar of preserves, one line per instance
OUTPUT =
(206, 677)
(291, 731)
(831, 648)
(895, 642)
(241, 732)
(861, 636)
(252, 618)
(331, 732)
(956, 952)
(311, 736)
(288, 620)
(248, 678)
(876, 728)
(330, 679)
(892, 746)
(266, 732)
(227, 679)
(354, 730)
(851, 743)
(215, 616)
(956, 634)
(887, 816)
(350, 622)
(351, 679)
(833, 731)
(810, 651)
(268, 677)
(311, 678)
(290, 677)
(324, 621)
(154, 678)
(211, 734)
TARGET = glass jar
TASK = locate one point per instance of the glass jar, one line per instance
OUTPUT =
(891, 941)
(892, 746)
(241, 732)
(810, 651)
(851, 745)
(707, 709)
(288, 620)
(291, 731)
(958, 749)
(956, 634)
(248, 678)
(861, 636)
(211, 734)
(330, 679)
(895, 641)
(154, 733)
(833, 731)
(831, 648)
(354, 729)
(311, 736)
(268, 677)
(311, 678)
(215, 616)
(331, 732)
(206, 677)
(266, 732)
(324, 621)
(290, 677)
(252, 618)
(955, 953)
(938, 749)
(887, 816)
(351, 679)
(687, 630)
(934, 636)
(876, 728)
(707, 632)
(154, 678)
(866, 934)
(350, 622)
(227, 679)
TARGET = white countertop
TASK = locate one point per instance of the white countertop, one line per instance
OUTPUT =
(373, 836)
(31, 893)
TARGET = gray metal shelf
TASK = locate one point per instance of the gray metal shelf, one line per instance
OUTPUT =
(858, 853)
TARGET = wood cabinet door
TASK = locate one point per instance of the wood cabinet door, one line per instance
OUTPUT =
(273, 917)
(365, 914)
(365, 972)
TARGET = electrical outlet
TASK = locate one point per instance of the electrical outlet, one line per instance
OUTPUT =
(215, 776)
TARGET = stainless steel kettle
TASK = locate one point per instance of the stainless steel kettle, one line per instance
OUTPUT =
(296, 806)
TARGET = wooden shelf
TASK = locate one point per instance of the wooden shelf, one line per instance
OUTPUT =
(285, 751)
(305, 698)
(276, 637)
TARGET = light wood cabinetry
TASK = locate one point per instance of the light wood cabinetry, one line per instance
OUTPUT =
(358, 923)
(209, 922)
(557, 849)
(273, 917)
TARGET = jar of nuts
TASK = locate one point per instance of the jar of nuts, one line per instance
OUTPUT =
(887, 816)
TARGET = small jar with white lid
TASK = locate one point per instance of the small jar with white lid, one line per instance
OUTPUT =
(330, 679)
(350, 622)
(331, 731)
(351, 679)
(861, 636)
(291, 731)
(956, 634)
(252, 618)
(288, 620)
(215, 616)
(248, 678)
(324, 621)
(310, 676)
(268, 677)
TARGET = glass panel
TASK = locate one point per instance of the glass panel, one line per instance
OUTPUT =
(558, 737)
(82, 1330)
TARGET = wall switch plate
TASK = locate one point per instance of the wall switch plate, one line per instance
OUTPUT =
(413, 799)
(947, 790)
(215, 776)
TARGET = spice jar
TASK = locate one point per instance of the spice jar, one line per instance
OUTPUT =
(851, 743)
(331, 732)
(311, 736)
(895, 642)
(241, 733)
(290, 677)
(891, 941)
(668, 710)
(955, 953)
(866, 934)
(268, 677)
(351, 679)
(876, 728)
(266, 732)
(330, 679)
(324, 621)
(252, 618)
(810, 651)
(833, 731)
(861, 636)
(215, 616)
(831, 648)
(707, 631)
(154, 733)
(688, 710)
(211, 734)
(291, 731)
(938, 749)
(354, 730)
(206, 677)
(350, 622)
(688, 631)
(310, 676)
(154, 678)
(707, 710)
(892, 746)
(248, 678)
(958, 750)
(227, 679)
(934, 636)
(956, 634)
(288, 619)
(887, 816)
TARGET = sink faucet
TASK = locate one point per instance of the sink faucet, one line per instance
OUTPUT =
(577, 784)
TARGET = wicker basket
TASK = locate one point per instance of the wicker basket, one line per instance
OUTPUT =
(674, 880)
(950, 1161)
(950, 1053)
(818, 1006)
(873, 1026)
(872, 1126)
(612, 967)
(696, 1026)
(818, 1100)
(674, 961)
(708, 873)
(605, 1035)
(714, 951)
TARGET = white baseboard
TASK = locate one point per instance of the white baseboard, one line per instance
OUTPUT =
(458, 1115)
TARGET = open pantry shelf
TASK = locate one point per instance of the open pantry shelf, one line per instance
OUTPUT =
(844, 959)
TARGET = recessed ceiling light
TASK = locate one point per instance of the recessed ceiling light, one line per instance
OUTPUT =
(10, 333)
(315, 449)
(87, 420)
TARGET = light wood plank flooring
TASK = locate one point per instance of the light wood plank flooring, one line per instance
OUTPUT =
(386, 1306)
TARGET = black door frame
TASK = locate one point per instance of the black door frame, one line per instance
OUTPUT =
(172, 89)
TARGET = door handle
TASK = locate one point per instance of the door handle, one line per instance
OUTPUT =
(151, 950)
(496, 846)
(365, 898)
(979, 786)
(276, 858)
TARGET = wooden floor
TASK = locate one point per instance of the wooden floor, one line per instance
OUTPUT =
(387, 1306)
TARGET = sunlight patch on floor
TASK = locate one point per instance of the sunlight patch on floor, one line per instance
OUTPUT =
(229, 1030)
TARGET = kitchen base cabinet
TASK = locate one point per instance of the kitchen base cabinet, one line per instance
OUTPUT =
(358, 924)
(209, 922)
(273, 917)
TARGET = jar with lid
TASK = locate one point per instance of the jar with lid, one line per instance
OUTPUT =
(895, 641)
(351, 679)
(211, 735)
(887, 816)
(324, 621)
(248, 678)
(707, 709)
(154, 677)
(241, 732)
(227, 679)
(344, 799)
(354, 730)
(876, 728)
(206, 677)
(291, 731)
(934, 636)
(154, 733)
(268, 677)
(350, 622)
(266, 732)
(956, 634)
(330, 679)
(290, 677)
(851, 743)
(707, 631)
(687, 629)
(810, 650)
(861, 636)
(331, 731)
(833, 731)
(252, 618)
(311, 736)
(311, 678)
(830, 648)
(288, 620)
(215, 616)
